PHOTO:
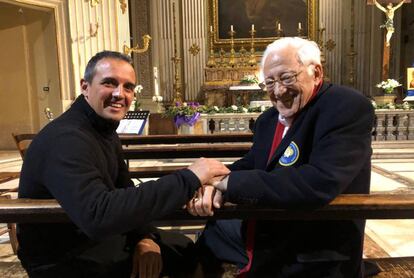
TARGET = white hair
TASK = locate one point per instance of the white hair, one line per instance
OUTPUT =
(308, 52)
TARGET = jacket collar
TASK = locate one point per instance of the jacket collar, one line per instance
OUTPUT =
(297, 123)
(103, 126)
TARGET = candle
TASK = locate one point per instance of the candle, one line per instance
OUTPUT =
(300, 25)
(231, 28)
(279, 26)
(211, 28)
(322, 25)
(156, 85)
(252, 27)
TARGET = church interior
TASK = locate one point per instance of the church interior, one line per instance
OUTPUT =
(204, 55)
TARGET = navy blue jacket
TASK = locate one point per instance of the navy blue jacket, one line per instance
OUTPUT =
(326, 152)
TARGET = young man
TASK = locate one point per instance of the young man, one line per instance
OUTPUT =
(312, 146)
(77, 160)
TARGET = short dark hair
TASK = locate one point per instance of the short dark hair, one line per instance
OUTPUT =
(90, 67)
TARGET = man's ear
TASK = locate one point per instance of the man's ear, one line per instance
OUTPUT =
(84, 87)
(318, 73)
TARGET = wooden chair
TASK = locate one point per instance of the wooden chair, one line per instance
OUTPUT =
(11, 229)
(23, 141)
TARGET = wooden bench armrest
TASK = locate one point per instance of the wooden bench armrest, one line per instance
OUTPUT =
(349, 206)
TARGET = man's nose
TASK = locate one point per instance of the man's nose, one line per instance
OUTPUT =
(117, 92)
(279, 89)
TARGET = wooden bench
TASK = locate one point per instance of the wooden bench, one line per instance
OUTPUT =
(347, 206)
(180, 139)
(350, 206)
(137, 147)
(8, 176)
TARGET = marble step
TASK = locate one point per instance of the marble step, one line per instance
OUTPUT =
(403, 144)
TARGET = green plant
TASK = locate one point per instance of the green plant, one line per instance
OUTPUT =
(250, 79)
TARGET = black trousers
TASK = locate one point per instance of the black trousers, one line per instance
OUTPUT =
(177, 250)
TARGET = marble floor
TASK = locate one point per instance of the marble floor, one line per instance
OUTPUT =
(393, 238)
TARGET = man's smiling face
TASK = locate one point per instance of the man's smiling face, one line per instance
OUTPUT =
(290, 84)
(112, 88)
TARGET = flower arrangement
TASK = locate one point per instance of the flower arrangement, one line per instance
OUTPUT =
(135, 103)
(249, 79)
(189, 112)
(388, 85)
(185, 113)
(405, 106)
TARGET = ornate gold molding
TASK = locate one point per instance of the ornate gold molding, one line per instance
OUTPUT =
(194, 49)
(123, 5)
(94, 2)
(146, 38)
(312, 27)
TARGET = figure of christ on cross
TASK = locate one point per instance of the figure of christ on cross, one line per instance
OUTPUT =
(389, 14)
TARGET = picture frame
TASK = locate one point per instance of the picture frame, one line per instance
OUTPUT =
(410, 78)
(266, 16)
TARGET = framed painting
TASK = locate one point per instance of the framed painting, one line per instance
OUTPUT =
(270, 19)
(410, 78)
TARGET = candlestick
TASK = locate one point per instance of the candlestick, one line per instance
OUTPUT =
(300, 33)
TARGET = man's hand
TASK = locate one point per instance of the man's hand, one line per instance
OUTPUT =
(147, 262)
(207, 199)
(206, 169)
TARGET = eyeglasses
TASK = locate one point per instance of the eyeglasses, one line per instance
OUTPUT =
(286, 79)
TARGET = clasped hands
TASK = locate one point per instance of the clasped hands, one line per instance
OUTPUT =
(210, 172)
(206, 199)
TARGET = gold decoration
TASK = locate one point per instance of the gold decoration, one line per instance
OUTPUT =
(123, 5)
(136, 49)
(322, 48)
(194, 49)
(223, 62)
(330, 45)
(211, 63)
(93, 29)
(177, 61)
(352, 53)
(252, 61)
(94, 2)
(232, 59)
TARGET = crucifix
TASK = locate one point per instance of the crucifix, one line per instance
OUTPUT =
(389, 9)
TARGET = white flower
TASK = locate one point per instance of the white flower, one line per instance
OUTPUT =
(216, 108)
(262, 108)
(245, 110)
(406, 106)
(157, 98)
(390, 106)
(234, 107)
(184, 104)
(389, 85)
(374, 104)
(138, 89)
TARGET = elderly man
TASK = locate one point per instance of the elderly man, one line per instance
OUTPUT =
(313, 145)
(77, 160)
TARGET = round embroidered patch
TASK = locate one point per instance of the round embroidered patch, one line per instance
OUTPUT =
(290, 156)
